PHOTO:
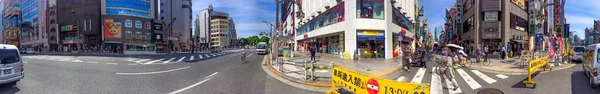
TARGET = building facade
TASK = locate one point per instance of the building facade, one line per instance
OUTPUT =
(127, 26)
(219, 27)
(11, 22)
(232, 33)
(375, 28)
(52, 26)
(203, 27)
(78, 25)
(33, 34)
(181, 27)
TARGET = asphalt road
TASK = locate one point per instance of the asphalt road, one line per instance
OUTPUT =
(220, 73)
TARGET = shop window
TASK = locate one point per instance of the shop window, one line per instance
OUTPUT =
(148, 34)
(138, 24)
(370, 9)
(128, 23)
(148, 25)
(127, 34)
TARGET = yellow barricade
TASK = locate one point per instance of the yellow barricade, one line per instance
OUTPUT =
(364, 84)
(533, 66)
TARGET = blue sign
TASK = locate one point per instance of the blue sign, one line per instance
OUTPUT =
(539, 25)
(567, 32)
(539, 35)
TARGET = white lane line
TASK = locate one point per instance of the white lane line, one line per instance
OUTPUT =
(64, 59)
(112, 63)
(249, 55)
(502, 76)
(218, 54)
(169, 60)
(132, 64)
(76, 61)
(400, 79)
(156, 72)
(154, 61)
(484, 77)
(181, 59)
(132, 60)
(451, 88)
(92, 62)
(470, 81)
(436, 83)
(191, 57)
(139, 61)
(206, 55)
(200, 57)
(419, 76)
(193, 85)
(25, 62)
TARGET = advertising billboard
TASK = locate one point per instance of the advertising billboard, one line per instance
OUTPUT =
(519, 3)
(112, 28)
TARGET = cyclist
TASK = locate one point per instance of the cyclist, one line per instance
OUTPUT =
(462, 55)
(450, 57)
(243, 55)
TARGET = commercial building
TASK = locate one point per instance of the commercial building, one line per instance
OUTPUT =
(181, 11)
(493, 23)
(376, 27)
(11, 21)
(33, 29)
(203, 27)
(219, 27)
(232, 33)
(52, 26)
(79, 27)
(1, 22)
(127, 26)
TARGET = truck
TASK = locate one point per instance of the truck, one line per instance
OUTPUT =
(261, 48)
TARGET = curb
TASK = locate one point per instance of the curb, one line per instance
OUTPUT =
(503, 71)
(268, 62)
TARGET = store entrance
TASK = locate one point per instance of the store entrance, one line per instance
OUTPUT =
(371, 48)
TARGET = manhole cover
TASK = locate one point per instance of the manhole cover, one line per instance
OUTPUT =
(490, 91)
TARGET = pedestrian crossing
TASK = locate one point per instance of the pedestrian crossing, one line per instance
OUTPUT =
(54, 58)
(175, 59)
(465, 78)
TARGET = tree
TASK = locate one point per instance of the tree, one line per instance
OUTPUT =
(243, 41)
(252, 40)
(264, 39)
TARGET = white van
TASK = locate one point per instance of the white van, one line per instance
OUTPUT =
(11, 64)
(261, 48)
(577, 53)
(591, 64)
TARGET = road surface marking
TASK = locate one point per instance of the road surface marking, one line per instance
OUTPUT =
(64, 59)
(502, 76)
(436, 83)
(206, 55)
(212, 54)
(193, 85)
(51, 58)
(156, 72)
(132, 60)
(132, 64)
(139, 61)
(112, 63)
(419, 76)
(450, 87)
(217, 54)
(200, 57)
(249, 55)
(169, 60)
(470, 81)
(181, 59)
(25, 62)
(76, 61)
(484, 77)
(92, 62)
(400, 79)
(192, 57)
(154, 61)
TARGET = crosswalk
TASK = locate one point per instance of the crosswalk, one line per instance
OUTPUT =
(54, 58)
(466, 79)
(175, 59)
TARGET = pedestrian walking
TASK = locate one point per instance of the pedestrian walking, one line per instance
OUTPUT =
(503, 53)
(487, 51)
(312, 54)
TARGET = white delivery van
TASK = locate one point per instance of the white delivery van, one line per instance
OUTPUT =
(261, 48)
(11, 64)
(591, 64)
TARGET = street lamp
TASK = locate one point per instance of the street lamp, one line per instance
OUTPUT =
(78, 31)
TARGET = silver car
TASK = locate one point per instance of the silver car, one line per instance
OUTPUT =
(577, 53)
(11, 64)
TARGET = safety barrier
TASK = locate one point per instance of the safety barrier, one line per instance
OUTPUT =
(533, 66)
(364, 84)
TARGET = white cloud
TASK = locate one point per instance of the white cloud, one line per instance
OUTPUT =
(579, 20)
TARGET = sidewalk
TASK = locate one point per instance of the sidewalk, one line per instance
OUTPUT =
(294, 67)
(513, 66)
(111, 54)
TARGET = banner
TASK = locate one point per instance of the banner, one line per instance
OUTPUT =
(550, 48)
(112, 28)
(519, 3)
(363, 84)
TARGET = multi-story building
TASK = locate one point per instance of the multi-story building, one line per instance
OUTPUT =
(127, 26)
(376, 27)
(219, 27)
(1, 22)
(203, 27)
(492, 22)
(33, 31)
(52, 26)
(79, 26)
(11, 22)
(232, 33)
(181, 11)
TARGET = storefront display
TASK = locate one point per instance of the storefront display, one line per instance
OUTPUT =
(371, 43)
(333, 45)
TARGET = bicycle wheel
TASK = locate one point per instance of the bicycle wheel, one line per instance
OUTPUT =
(485, 63)
(468, 63)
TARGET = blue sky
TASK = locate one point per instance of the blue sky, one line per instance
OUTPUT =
(579, 13)
(247, 14)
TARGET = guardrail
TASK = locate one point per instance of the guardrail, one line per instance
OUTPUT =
(532, 68)
(364, 84)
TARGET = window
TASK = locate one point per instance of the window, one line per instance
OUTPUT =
(138, 24)
(148, 25)
(127, 34)
(370, 9)
(128, 23)
(148, 34)
(517, 22)
(185, 6)
(162, 11)
(9, 56)
(162, 18)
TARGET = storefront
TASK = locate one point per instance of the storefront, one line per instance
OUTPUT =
(161, 45)
(371, 43)
(112, 48)
(133, 48)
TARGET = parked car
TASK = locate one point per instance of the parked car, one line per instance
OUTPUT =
(591, 64)
(29, 51)
(577, 53)
(11, 64)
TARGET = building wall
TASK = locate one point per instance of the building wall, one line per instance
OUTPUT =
(220, 32)
(183, 16)
(508, 32)
(204, 26)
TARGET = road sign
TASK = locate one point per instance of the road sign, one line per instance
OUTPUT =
(365, 84)
(539, 25)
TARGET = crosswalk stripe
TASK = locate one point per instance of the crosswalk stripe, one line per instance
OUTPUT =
(206, 55)
(139, 61)
(436, 83)
(51, 58)
(400, 79)
(154, 61)
(169, 60)
(470, 81)
(484, 77)
(212, 54)
(419, 76)
(191, 57)
(218, 53)
(200, 57)
(450, 87)
(76, 61)
(181, 59)
(64, 59)
(502, 76)
(132, 60)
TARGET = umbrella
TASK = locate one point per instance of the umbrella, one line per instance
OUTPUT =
(454, 45)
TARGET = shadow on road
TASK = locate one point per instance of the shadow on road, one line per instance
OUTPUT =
(520, 83)
(580, 84)
(9, 88)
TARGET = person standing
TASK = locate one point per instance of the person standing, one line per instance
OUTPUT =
(486, 49)
(312, 54)
(503, 53)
